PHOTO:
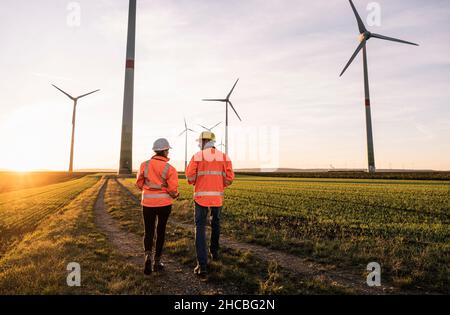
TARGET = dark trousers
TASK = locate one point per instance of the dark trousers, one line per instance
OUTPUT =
(150, 216)
(201, 215)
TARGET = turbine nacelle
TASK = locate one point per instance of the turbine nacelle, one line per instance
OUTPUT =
(365, 35)
(75, 99)
(226, 100)
(210, 129)
(186, 129)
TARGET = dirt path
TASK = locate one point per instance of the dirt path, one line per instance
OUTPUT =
(176, 279)
(295, 264)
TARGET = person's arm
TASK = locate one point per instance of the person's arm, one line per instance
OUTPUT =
(172, 183)
(140, 179)
(191, 172)
(229, 173)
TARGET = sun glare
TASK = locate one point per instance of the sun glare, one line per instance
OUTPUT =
(33, 142)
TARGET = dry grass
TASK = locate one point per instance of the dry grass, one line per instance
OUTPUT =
(22, 211)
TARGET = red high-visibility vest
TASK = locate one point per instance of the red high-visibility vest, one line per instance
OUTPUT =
(210, 171)
(157, 178)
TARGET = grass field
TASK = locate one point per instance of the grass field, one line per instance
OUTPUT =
(403, 225)
(236, 268)
(10, 181)
(21, 211)
(345, 223)
(37, 263)
(400, 175)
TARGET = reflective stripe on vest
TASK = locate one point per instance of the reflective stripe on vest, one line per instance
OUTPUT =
(205, 173)
(208, 194)
(156, 196)
(152, 185)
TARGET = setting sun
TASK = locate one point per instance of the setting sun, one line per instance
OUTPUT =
(36, 142)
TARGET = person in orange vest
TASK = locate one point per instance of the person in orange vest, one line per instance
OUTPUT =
(210, 171)
(158, 181)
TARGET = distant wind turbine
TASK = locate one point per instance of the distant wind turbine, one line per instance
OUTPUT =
(365, 35)
(227, 102)
(75, 101)
(185, 132)
(221, 145)
(210, 129)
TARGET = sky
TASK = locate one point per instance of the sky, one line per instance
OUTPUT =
(296, 111)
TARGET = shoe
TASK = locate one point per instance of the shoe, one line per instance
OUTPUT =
(200, 271)
(158, 266)
(148, 265)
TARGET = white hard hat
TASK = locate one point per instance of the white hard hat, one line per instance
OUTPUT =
(161, 145)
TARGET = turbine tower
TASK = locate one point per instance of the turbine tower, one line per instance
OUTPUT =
(365, 35)
(227, 102)
(74, 113)
(126, 150)
(185, 131)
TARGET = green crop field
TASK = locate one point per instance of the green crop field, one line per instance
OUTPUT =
(403, 225)
(23, 210)
(339, 224)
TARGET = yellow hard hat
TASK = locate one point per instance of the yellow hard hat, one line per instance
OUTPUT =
(207, 135)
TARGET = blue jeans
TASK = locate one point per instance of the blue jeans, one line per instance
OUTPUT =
(201, 214)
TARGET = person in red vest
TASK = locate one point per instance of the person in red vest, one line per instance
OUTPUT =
(158, 181)
(210, 171)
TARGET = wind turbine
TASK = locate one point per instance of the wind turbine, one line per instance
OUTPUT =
(210, 129)
(365, 35)
(185, 131)
(126, 143)
(75, 101)
(227, 102)
(221, 145)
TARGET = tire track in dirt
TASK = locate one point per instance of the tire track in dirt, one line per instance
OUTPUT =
(294, 264)
(175, 280)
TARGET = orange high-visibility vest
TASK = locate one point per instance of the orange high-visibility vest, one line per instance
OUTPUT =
(210, 171)
(157, 178)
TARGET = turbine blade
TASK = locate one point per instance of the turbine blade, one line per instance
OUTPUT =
(354, 56)
(185, 123)
(231, 92)
(235, 111)
(204, 127)
(214, 100)
(69, 96)
(393, 39)
(182, 133)
(192, 130)
(81, 96)
(215, 126)
(361, 26)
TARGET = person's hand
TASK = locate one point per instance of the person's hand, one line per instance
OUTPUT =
(228, 182)
(174, 195)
